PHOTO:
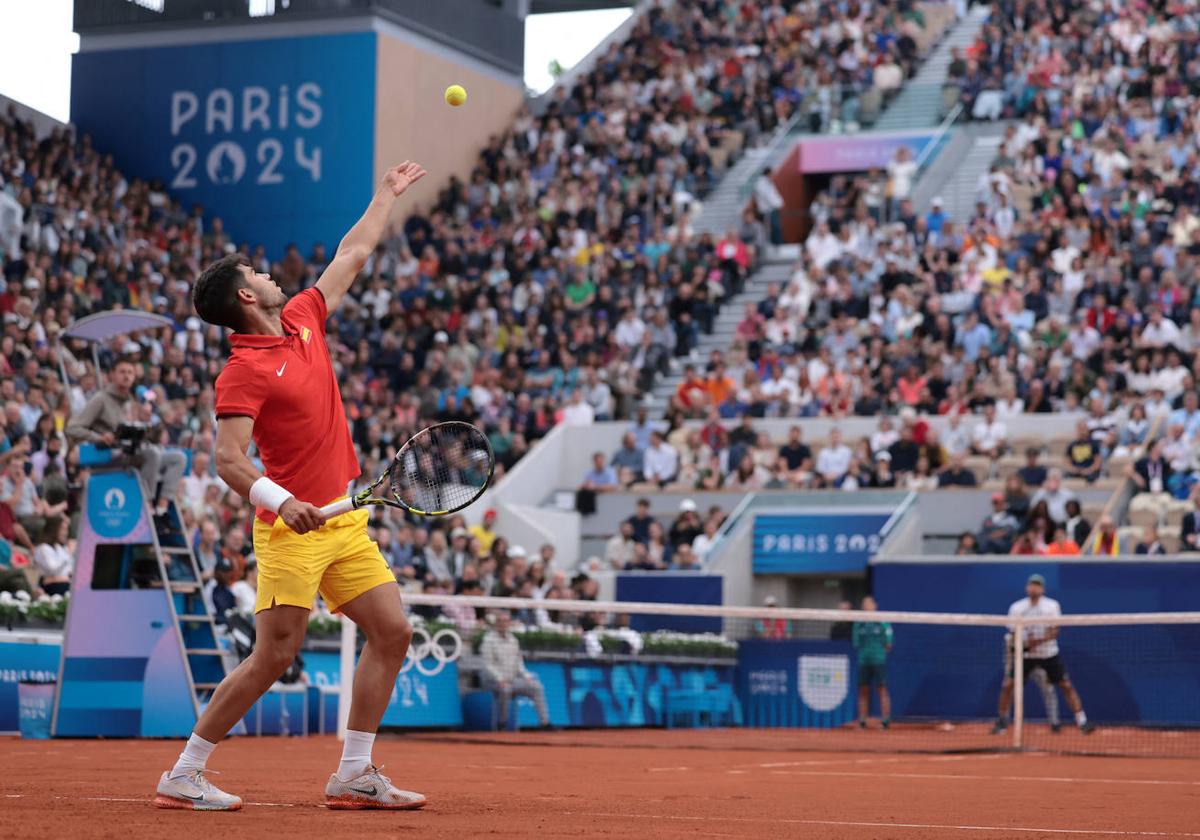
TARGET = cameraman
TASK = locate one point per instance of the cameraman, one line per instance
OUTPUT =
(109, 408)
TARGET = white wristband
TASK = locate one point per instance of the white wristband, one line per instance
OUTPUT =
(265, 493)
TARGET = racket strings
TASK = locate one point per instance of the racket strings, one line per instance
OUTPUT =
(442, 468)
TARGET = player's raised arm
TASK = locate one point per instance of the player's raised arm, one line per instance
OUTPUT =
(356, 246)
(239, 472)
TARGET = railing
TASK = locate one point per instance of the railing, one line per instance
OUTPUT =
(1118, 502)
(937, 138)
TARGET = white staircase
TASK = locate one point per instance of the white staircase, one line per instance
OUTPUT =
(919, 103)
(777, 269)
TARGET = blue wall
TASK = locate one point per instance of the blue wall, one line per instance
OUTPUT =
(1148, 674)
(275, 136)
(671, 588)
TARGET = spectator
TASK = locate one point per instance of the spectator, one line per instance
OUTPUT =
(1062, 544)
(1077, 527)
(769, 202)
(967, 544)
(704, 543)
(990, 436)
(796, 454)
(20, 494)
(1032, 474)
(834, 460)
(687, 526)
(629, 457)
(1189, 537)
(198, 480)
(999, 528)
(619, 550)
(97, 423)
(957, 474)
(1107, 541)
(661, 462)
(484, 534)
(217, 591)
(1150, 543)
(771, 628)
(245, 590)
(53, 558)
(601, 478)
(641, 520)
(207, 548)
(1083, 456)
(504, 671)
(1055, 495)
(1152, 472)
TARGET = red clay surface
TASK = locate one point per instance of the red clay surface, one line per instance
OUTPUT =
(616, 784)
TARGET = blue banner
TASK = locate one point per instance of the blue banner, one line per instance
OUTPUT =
(816, 543)
(1147, 674)
(796, 683)
(424, 696)
(602, 694)
(114, 504)
(671, 588)
(23, 661)
(274, 136)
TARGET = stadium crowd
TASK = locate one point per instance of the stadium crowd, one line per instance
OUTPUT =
(551, 285)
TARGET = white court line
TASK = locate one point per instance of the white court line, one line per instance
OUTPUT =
(150, 801)
(923, 826)
(899, 759)
(1067, 779)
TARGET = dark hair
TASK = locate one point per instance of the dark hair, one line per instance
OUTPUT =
(215, 292)
(50, 528)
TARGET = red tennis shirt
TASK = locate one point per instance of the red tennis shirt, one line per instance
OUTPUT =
(286, 384)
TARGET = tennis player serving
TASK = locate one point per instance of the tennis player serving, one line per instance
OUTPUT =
(279, 388)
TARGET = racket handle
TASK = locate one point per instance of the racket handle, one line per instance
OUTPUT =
(337, 508)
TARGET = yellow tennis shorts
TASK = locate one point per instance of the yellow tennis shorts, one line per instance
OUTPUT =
(339, 560)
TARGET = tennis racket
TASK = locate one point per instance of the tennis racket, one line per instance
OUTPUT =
(442, 469)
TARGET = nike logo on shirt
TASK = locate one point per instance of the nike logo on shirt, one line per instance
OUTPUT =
(280, 371)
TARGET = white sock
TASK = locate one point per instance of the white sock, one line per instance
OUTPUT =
(194, 756)
(1081, 717)
(356, 754)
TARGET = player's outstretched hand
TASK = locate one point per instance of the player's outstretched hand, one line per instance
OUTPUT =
(399, 178)
(301, 517)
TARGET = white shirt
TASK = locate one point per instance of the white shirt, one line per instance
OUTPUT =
(629, 332)
(660, 463)
(833, 461)
(1033, 632)
(579, 414)
(990, 435)
(53, 560)
(1163, 333)
(245, 595)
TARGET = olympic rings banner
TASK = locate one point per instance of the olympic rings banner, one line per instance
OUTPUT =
(426, 691)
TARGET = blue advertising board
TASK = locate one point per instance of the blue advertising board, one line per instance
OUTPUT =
(603, 694)
(1146, 674)
(671, 588)
(790, 683)
(275, 136)
(23, 660)
(424, 696)
(828, 542)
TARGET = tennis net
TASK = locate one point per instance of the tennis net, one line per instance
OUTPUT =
(649, 664)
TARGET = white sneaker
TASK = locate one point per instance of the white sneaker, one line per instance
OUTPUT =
(370, 790)
(193, 792)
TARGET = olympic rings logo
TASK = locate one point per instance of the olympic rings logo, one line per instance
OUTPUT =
(443, 646)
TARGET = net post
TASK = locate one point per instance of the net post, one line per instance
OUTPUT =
(346, 677)
(1018, 685)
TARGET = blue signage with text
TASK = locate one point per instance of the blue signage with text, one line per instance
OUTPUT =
(275, 136)
(824, 543)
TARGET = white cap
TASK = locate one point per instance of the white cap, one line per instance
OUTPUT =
(769, 601)
(937, 201)
(441, 335)
(688, 505)
(193, 323)
(516, 551)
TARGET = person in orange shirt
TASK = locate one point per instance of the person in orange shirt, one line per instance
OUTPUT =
(1062, 544)
(720, 387)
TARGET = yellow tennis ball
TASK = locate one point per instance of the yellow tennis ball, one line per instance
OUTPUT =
(456, 95)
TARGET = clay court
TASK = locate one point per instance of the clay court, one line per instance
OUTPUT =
(628, 783)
